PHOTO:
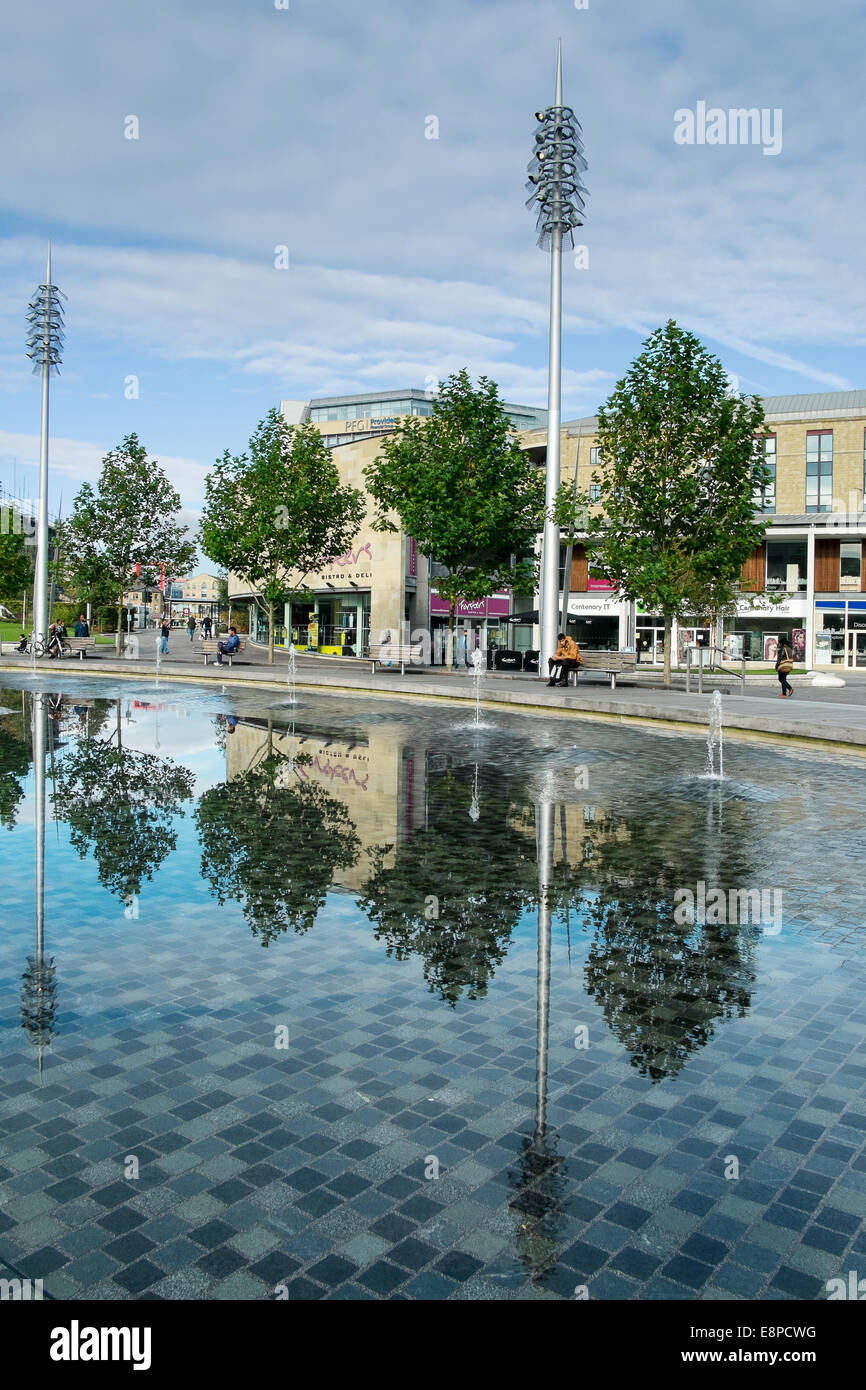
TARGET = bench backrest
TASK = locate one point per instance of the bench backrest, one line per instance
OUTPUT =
(607, 661)
(395, 651)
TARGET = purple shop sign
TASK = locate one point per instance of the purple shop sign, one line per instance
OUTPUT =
(496, 606)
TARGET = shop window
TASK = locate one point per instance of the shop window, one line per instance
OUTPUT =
(819, 471)
(786, 565)
(850, 564)
(764, 498)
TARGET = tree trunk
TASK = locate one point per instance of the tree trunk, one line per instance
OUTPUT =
(668, 631)
(270, 634)
(452, 614)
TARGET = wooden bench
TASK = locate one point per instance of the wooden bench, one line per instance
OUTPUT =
(211, 648)
(389, 653)
(82, 645)
(613, 664)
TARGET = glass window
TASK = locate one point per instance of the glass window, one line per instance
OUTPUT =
(819, 470)
(850, 563)
(594, 492)
(594, 456)
(781, 555)
(764, 499)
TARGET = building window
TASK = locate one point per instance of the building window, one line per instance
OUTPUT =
(850, 564)
(764, 499)
(819, 470)
(594, 456)
(595, 492)
(786, 565)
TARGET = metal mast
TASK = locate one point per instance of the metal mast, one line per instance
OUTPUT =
(557, 194)
(44, 341)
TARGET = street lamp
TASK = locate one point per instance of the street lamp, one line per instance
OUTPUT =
(44, 341)
(557, 195)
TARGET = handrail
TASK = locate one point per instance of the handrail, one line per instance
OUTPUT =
(701, 665)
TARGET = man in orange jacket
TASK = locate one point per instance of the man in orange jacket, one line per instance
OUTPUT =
(566, 657)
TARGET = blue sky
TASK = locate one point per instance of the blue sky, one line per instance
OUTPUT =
(409, 257)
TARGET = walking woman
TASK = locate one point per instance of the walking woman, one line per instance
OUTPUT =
(784, 667)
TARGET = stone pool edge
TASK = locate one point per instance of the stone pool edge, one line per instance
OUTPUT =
(759, 728)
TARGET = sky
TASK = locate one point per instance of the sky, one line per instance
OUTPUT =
(307, 124)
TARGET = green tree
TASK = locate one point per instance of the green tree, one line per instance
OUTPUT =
(16, 559)
(130, 518)
(466, 491)
(678, 473)
(279, 512)
(274, 843)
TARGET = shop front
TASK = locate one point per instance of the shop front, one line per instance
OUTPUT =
(599, 620)
(840, 633)
(757, 629)
(480, 625)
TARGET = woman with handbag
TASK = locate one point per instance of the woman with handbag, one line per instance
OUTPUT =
(784, 667)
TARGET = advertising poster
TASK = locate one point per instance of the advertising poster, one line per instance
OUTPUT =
(798, 644)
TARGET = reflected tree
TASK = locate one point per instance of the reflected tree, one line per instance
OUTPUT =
(663, 987)
(455, 890)
(273, 843)
(15, 756)
(120, 805)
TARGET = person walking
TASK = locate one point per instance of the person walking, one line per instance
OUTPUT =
(784, 667)
(165, 629)
(190, 626)
(206, 627)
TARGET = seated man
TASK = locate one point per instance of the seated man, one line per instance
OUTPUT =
(230, 645)
(566, 658)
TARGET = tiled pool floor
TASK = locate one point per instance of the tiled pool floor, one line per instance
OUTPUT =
(352, 1112)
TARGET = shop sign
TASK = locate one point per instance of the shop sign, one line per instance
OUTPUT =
(595, 603)
(495, 606)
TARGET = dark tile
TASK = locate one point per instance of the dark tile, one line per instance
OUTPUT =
(585, 1258)
(318, 1202)
(305, 1179)
(130, 1247)
(233, 1190)
(135, 1278)
(795, 1282)
(393, 1227)
(43, 1262)
(704, 1248)
(413, 1253)
(457, 1265)
(221, 1261)
(628, 1215)
(349, 1185)
(212, 1234)
(419, 1208)
(382, 1277)
(275, 1268)
(332, 1270)
(635, 1263)
(682, 1270)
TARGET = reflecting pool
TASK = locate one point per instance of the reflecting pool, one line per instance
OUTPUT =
(354, 999)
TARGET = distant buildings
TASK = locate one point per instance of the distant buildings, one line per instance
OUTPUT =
(813, 558)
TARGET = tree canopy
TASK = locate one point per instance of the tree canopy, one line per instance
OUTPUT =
(278, 512)
(464, 489)
(130, 518)
(678, 473)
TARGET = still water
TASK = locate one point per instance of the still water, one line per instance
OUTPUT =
(353, 999)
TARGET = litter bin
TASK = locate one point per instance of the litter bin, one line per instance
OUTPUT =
(530, 662)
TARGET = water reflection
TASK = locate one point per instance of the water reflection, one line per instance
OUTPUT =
(39, 982)
(453, 890)
(121, 806)
(273, 842)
